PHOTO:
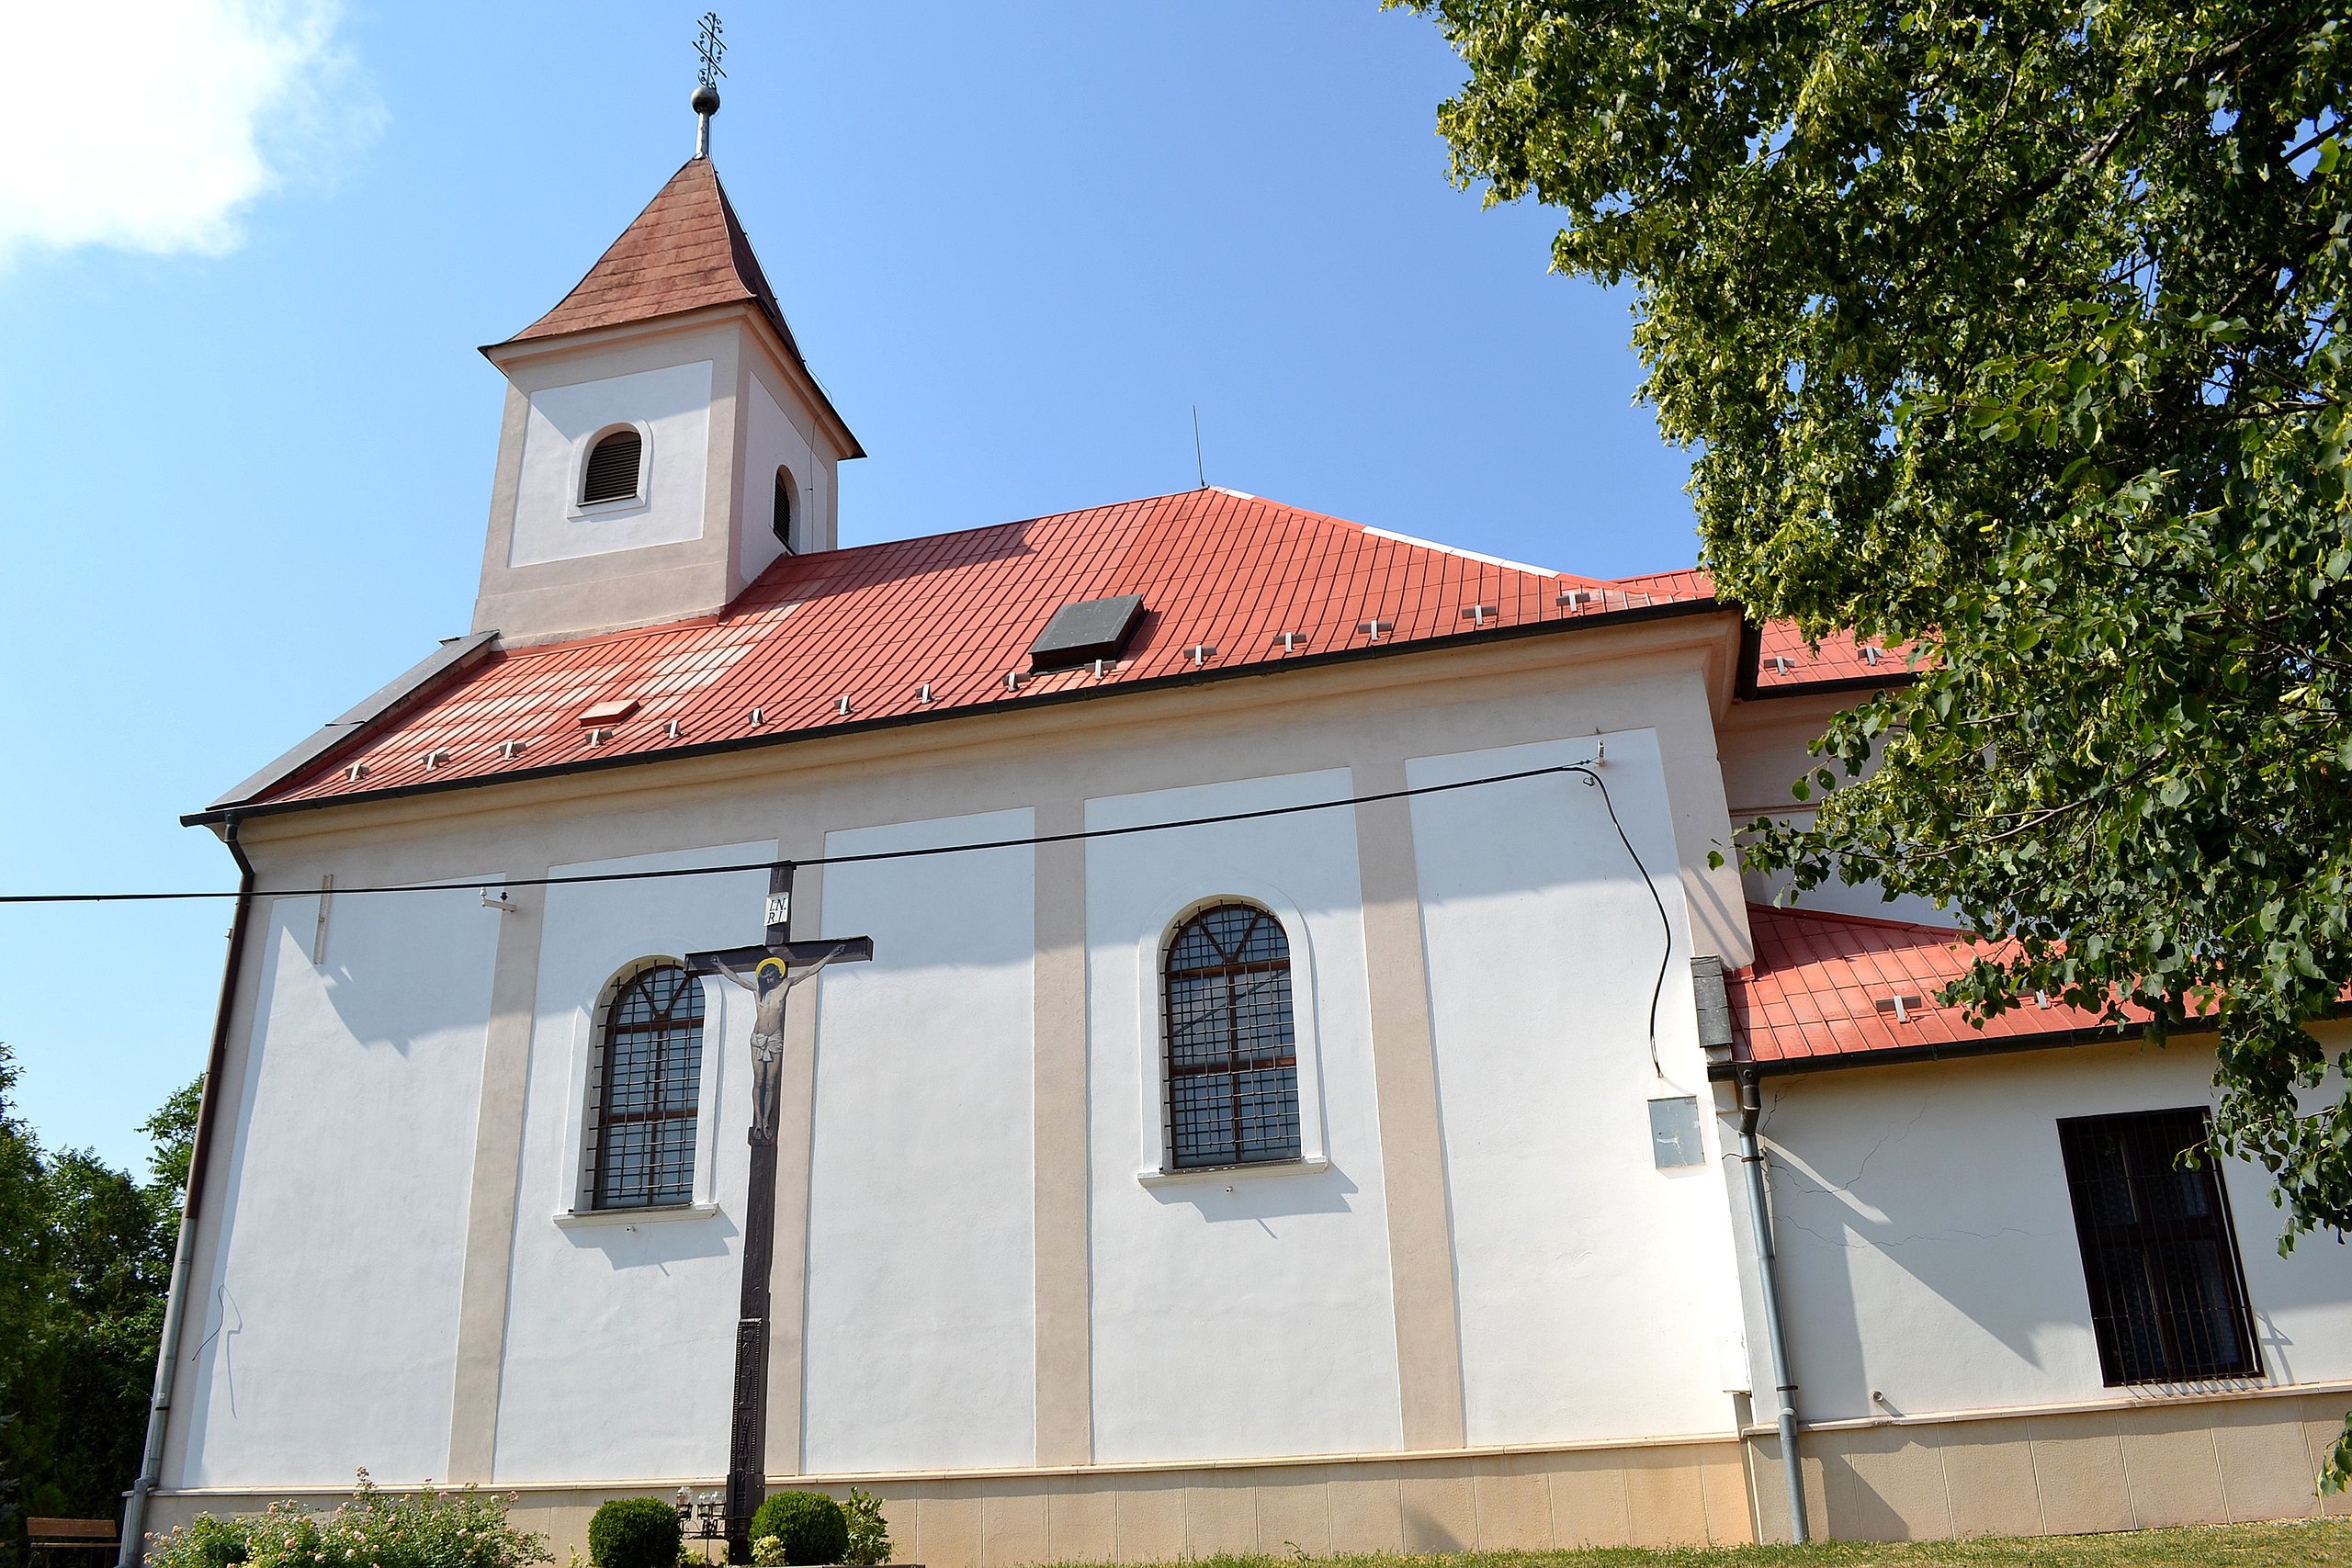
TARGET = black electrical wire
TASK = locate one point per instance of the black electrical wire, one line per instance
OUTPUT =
(1586, 769)
(1665, 956)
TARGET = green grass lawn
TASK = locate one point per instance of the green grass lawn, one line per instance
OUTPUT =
(2318, 1543)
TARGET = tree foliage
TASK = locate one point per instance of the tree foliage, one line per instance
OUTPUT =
(2009, 333)
(86, 1257)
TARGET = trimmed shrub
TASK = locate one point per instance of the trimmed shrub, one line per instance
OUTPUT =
(422, 1529)
(809, 1523)
(634, 1532)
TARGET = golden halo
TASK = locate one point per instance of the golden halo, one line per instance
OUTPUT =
(782, 970)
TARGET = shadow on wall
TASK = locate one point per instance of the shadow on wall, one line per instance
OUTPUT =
(388, 962)
(1886, 1204)
(656, 1242)
(1263, 1195)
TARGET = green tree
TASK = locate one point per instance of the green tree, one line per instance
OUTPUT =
(2009, 333)
(85, 1258)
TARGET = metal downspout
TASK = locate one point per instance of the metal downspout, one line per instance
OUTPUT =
(151, 1465)
(1759, 1212)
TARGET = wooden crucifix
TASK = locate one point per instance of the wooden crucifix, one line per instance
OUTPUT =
(769, 972)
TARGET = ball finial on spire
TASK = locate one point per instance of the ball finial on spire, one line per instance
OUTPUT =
(710, 47)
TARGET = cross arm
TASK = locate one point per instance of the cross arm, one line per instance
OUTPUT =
(839, 950)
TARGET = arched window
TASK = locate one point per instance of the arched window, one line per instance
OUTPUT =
(613, 462)
(646, 1091)
(784, 489)
(1232, 1051)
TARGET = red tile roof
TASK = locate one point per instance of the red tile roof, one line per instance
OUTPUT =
(1822, 988)
(1784, 663)
(956, 613)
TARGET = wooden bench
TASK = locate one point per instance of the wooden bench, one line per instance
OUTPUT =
(49, 1537)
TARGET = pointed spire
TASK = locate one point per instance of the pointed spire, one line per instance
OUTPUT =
(685, 252)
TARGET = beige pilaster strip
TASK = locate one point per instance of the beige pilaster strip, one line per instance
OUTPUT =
(1404, 1060)
(1065, 1356)
(795, 1131)
(498, 1163)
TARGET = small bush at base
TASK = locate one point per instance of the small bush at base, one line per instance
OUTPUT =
(869, 1537)
(809, 1523)
(424, 1529)
(634, 1532)
(768, 1552)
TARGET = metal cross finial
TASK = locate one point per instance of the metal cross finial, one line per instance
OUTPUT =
(711, 47)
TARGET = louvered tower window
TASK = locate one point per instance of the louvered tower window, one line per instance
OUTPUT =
(612, 469)
(783, 491)
(2168, 1302)
(1232, 1050)
(646, 1093)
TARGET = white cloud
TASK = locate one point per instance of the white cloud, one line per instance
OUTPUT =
(149, 125)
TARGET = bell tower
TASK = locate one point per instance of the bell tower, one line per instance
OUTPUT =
(663, 441)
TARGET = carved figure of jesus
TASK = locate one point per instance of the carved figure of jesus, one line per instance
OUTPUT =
(770, 982)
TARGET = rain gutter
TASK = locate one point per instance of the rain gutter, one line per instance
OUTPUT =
(158, 1407)
(1759, 1213)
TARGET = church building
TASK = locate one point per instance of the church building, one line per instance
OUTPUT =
(1309, 1088)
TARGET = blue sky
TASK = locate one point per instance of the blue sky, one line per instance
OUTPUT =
(253, 439)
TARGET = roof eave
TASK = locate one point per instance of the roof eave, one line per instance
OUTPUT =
(455, 654)
(1741, 1067)
(508, 350)
(1630, 616)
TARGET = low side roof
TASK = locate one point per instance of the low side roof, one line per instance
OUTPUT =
(1784, 665)
(918, 627)
(1821, 994)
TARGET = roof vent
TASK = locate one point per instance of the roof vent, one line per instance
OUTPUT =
(1479, 614)
(607, 713)
(1086, 631)
(612, 469)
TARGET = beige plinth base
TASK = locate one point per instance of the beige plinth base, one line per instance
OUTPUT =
(2165, 1459)
(1658, 1493)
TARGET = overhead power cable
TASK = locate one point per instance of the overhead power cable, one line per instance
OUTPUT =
(735, 868)
(1587, 770)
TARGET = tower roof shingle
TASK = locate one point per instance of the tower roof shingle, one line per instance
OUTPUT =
(685, 251)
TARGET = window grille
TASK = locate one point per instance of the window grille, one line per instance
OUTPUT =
(647, 1092)
(612, 469)
(2168, 1299)
(1232, 1096)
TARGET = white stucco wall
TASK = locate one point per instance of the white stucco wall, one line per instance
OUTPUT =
(617, 1334)
(771, 440)
(1247, 1312)
(1595, 1291)
(922, 1323)
(672, 406)
(1926, 1238)
(336, 1291)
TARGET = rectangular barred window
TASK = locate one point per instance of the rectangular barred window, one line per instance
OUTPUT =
(2168, 1299)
